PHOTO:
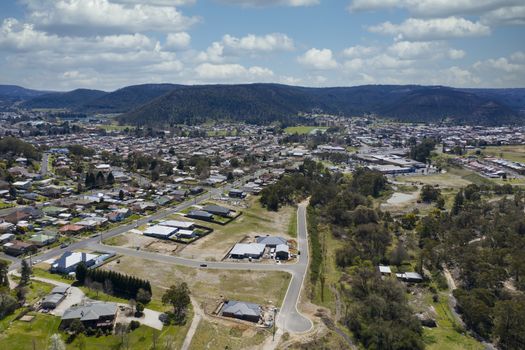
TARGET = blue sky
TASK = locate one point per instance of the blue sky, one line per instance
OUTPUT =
(107, 44)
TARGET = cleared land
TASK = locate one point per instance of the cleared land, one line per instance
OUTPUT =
(515, 153)
(254, 220)
(208, 286)
(210, 335)
(302, 130)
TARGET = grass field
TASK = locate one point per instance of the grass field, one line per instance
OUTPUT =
(515, 153)
(453, 178)
(446, 336)
(35, 335)
(114, 127)
(302, 130)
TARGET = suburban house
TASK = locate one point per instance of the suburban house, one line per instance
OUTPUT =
(68, 262)
(247, 250)
(187, 234)
(234, 193)
(282, 252)
(55, 297)
(73, 229)
(217, 210)
(6, 237)
(22, 214)
(241, 310)
(180, 194)
(42, 239)
(93, 315)
(16, 248)
(200, 215)
(6, 227)
(160, 231)
(186, 225)
(271, 241)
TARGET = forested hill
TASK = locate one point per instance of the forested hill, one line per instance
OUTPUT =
(263, 103)
(127, 98)
(63, 100)
(96, 101)
(157, 104)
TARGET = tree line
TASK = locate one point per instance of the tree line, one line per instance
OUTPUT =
(121, 284)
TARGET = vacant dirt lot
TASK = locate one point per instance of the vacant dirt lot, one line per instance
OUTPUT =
(150, 244)
(208, 286)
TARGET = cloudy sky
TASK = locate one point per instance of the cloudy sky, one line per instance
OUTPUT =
(107, 44)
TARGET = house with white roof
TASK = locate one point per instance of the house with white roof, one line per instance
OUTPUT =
(69, 261)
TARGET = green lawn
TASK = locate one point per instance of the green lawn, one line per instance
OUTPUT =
(29, 335)
(4, 205)
(154, 304)
(302, 130)
(35, 335)
(515, 153)
(446, 335)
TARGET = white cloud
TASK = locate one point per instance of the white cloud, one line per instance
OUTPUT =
(213, 53)
(265, 43)
(514, 15)
(86, 16)
(513, 64)
(167, 3)
(318, 59)
(264, 3)
(455, 54)
(435, 8)
(432, 29)
(359, 51)
(213, 72)
(177, 40)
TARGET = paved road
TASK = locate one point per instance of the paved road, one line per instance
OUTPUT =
(288, 318)
(43, 166)
(123, 228)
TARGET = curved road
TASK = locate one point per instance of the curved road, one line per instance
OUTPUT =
(288, 319)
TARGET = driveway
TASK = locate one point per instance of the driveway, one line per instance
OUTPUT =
(150, 318)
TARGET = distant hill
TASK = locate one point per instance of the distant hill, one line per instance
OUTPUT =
(11, 94)
(263, 103)
(157, 104)
(439, 103)
(127, 98)
(19, 92)
(513, 98)
(67, 100)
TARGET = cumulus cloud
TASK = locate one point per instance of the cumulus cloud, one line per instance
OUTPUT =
(157, 2)
(433, 8)
(359, 51)
(102, 16)
(318, 59)
(177, 40)
(514, 15)
(424, 50)
(265, 3)
(265, 43)
(250, 44)
(213, 72)
(432, 29)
